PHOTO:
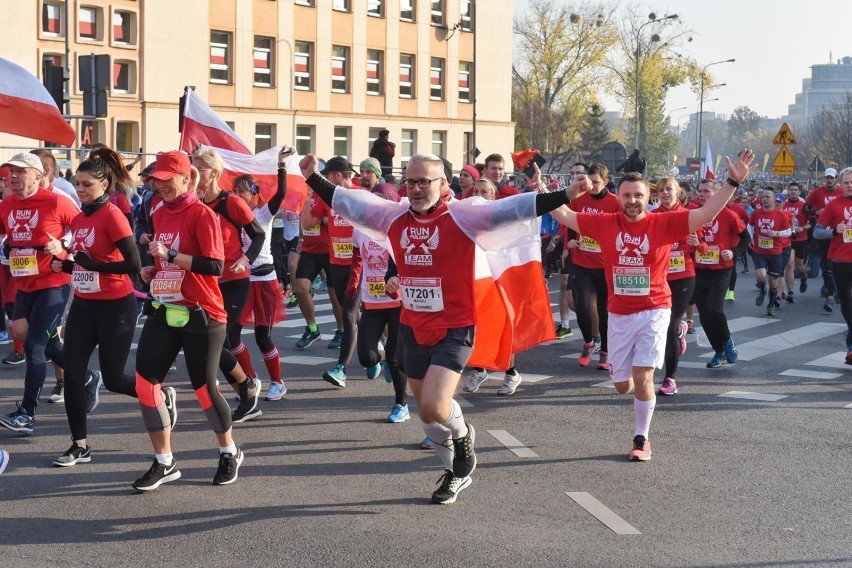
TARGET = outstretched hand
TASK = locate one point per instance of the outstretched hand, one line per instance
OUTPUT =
(739, 169)
(308, 165)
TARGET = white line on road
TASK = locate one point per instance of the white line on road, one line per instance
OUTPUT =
(691, 365)
(739, 324)
(810, 374)
(605, 384)
(835, 361)
(306, 360)
(754, 396)
(513, 444)
(783, 341)
(602, 513)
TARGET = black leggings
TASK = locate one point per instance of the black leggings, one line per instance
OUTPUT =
(681, 295)
(826, 266)
(109, 325)
(201, 340)
(338, 277)
(732, 281)
(276, 240)
(842, 274)
(235, 294)
(372, 326)
(590, 293)
(710, 288)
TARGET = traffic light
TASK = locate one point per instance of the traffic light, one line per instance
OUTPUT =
(55, 81)
(94, 77)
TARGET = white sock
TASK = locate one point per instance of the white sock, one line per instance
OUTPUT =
(566, 323)
(442, 439)
(643, 411)
(232, 449)
(165, 459)
(455, 422)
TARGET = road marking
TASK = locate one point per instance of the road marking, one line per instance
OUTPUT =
(848, 406)
(463, 402)
(810, 374)
(602, 513)
(530, 378)
(513, 444)
(691, 365)
(784, 341)
(835, 361)
(306, 360)
(754, 396)
(301, 322)
(605, 384)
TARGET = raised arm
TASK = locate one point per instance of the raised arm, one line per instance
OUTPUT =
(738, 170)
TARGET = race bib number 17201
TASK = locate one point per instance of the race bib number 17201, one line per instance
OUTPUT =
(421, 294)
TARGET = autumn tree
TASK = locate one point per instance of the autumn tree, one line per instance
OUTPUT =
(831, 133)
(594, 135)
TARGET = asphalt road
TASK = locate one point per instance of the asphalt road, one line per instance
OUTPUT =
(326, 482)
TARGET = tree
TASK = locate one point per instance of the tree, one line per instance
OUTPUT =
(595, 133)
(831, 133)
(742, 122)
(557, 72)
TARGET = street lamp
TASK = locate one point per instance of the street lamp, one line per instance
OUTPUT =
(701, 101)
(672, 112)
(652, 18)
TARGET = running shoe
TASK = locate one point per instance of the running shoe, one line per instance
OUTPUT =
(275, 391)
(562, 331)
(229, 467)
(4, 338)
(829, 305)
(603, 363)
(682, 330)
(849, 357)
(57, 395)
(316, 283)
(641, 449)
(156, 476)
(4, 460)
(510, 384)
(473, 379)
(374, 371)
(426, 444)
(464, 460)
(585, 358)
(170, 396)
(717, 361)
(690, 328)
(791, 298)
(19, 421)
(450, 487)
(308, 338)
(249, 396)
(292, 301)
(336, 376)
(761, 295)
(597, 342)
(399, 413)
(803, 286)
(336, 340)
(770, 310)
(731, 352)
(729, 296)
(93, 386)
(386, 371)
(669, 387)
(73, 456)
(14, 358)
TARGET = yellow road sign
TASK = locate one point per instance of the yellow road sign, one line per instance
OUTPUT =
(784, 136)
(783, 164)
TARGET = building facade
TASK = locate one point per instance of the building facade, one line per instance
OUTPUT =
(323, 75)
(828, 84)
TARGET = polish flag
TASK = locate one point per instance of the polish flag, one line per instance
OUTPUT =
(708, 164)
(201, 125)
(27, 109)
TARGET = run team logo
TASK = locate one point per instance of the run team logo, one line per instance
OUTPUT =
(631, 249)
(409, 240)
(22, 223)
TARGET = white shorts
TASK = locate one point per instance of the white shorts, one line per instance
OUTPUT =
(636, 340)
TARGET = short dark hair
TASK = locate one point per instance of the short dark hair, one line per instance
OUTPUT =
(708, 180)
(585, 167)
(632, 177)
(794, 184)
(600, 169)
(494, 158)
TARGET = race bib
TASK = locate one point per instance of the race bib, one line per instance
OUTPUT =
(589, 244)
(23, 262)
(847, 236)
(342, 249)
(765, 242)
(166, 285)
(376, 286)
(85, 281)
(709, 257)
(631, 281)
(421, 294)
(312, 232)
(677, 262)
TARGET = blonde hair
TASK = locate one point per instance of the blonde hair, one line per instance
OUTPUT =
(429, 159)
(491, 187)
(210, 158)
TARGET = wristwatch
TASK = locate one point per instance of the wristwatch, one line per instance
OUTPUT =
(172, 254)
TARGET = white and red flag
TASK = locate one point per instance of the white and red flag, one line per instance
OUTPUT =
(708, 164)
(203, 127)
(27, 109)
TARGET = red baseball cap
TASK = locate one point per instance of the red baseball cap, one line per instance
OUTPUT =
(170, 164)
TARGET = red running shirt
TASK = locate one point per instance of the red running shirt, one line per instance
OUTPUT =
(820, 197)
(588, 254)
(765, 222)
(241, 214)
(316, 239)
(722, 233)
(797, 210)
(340, 233)
(681, 265)
(96, 236)
(836, 212)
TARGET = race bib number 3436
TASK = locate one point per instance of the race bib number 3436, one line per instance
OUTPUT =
(421, 294)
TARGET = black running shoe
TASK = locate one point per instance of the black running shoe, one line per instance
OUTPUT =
(761, 295)
(156, 476)
(73, 456)
(450, 487)
(249, 395)
(229, 467)
(464, 460)
(57, 395)
(14, 358)
(803, 286)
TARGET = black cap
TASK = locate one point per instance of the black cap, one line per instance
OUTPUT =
(338, 164)
(146, 171)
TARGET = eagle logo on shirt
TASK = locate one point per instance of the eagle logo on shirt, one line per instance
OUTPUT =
(632, 249)
(765, 225)
(847, 213)
(83, 239)
(22, 222)
(419, 242)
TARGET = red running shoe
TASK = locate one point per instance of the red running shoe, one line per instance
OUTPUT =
(641, 449)
(585, 358)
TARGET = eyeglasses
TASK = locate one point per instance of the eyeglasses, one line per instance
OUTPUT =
(422, 183)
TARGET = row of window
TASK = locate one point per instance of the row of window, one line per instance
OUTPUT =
(407, 10)
(123, 72)
(90, 23)
(341, 72)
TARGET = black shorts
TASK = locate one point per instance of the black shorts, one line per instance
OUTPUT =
(770, 262)
(310, 265)
(452, 352)
(801, 249)
(785, 257)
(289, 246)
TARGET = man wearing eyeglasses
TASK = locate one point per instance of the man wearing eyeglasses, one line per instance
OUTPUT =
(433, 243)
(815, 204)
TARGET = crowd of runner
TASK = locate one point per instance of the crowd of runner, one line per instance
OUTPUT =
(198, 261)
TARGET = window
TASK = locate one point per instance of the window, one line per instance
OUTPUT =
(126, 136)
(374, 72)
(123, 28)
(469, 158)
(406, 76)
(437, 12)
(341, 141)
(123, 76)
(376, 8)
(464, 82)
(264, 137)
(51, 19)
(263, 61)
(231, 124)
(87, 22)
(407, 10)
(339, 69)
(91, 132)
(466, 7)
(436, 79)
(220, 57)
(304, 65)
(304, 139)
(407, 145)
(305, 2)
(341, 5)
(52, 60)
(438, 139)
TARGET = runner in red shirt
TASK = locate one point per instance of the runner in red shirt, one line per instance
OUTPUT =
(795, 206)
(636, 248)
(495, 170)
(189, 314)
(770, 225)
(816, 202)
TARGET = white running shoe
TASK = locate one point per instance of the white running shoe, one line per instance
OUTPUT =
(473, 379)
(275, 391)
(510, 383)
